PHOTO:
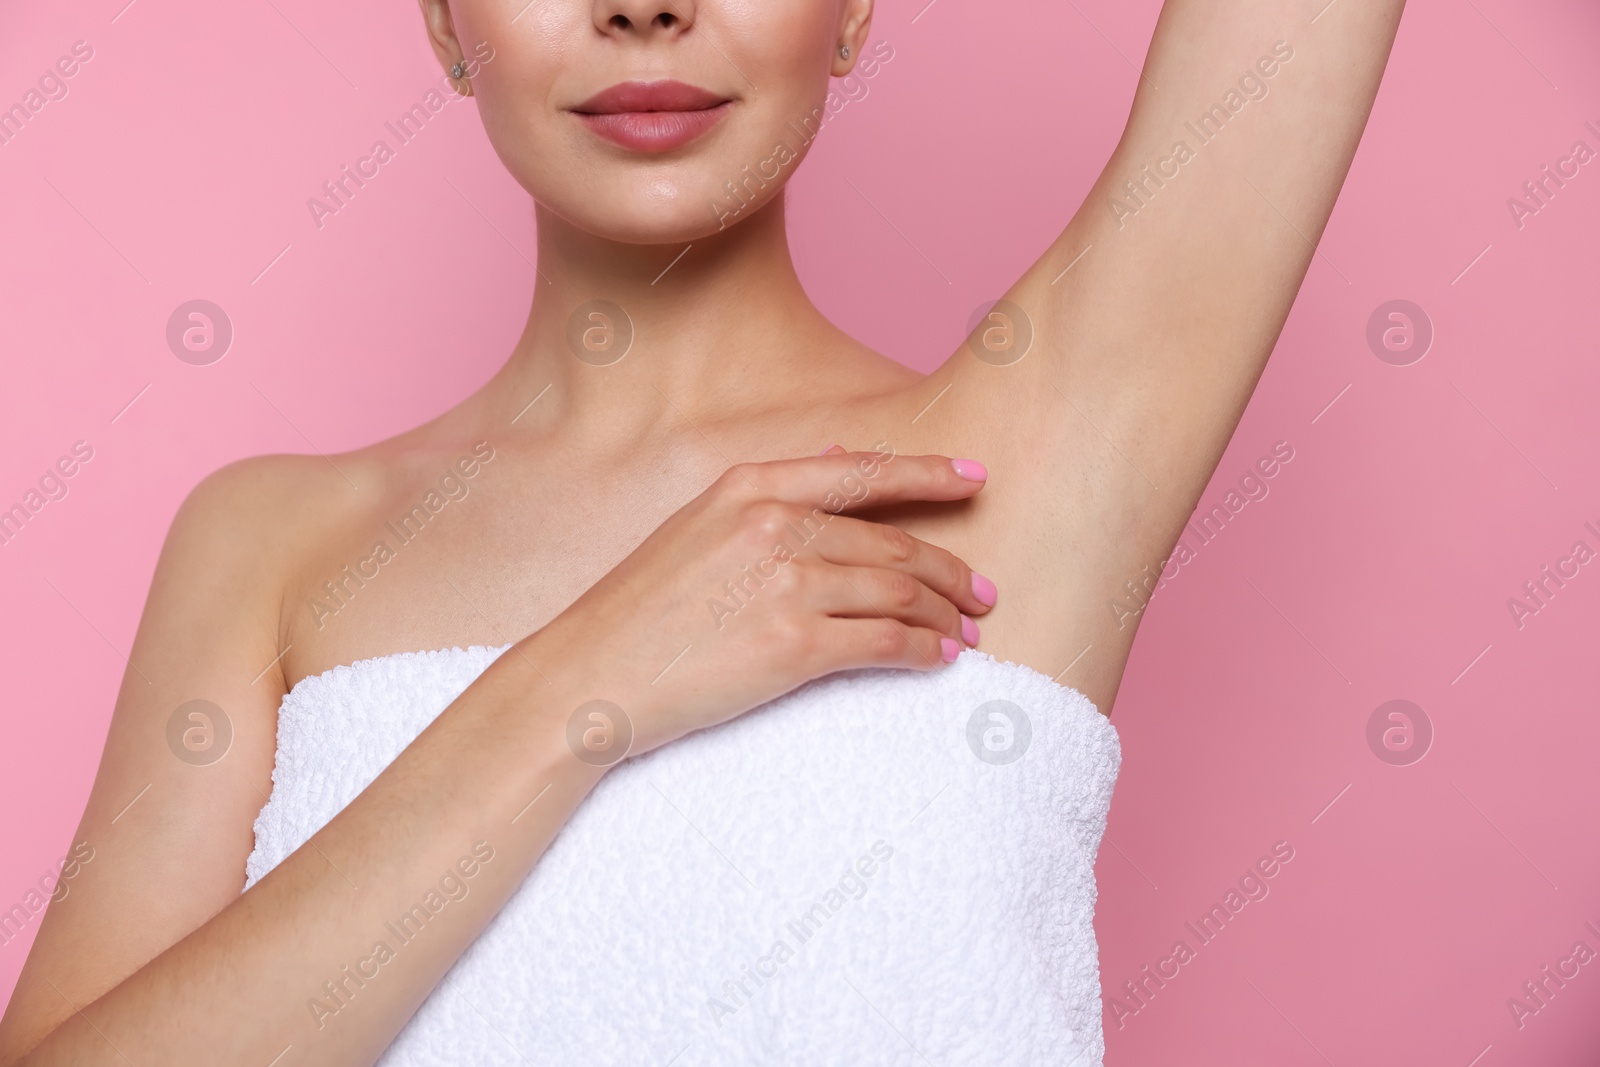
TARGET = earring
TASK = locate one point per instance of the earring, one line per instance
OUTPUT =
(844, 51)
(458, 71)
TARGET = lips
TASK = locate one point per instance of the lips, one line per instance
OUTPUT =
(652, 116)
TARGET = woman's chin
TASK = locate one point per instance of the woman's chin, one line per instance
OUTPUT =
(642, 219)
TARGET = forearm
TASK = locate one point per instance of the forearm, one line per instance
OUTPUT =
(274, 968)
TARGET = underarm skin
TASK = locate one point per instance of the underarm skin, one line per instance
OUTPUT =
(1153, 314)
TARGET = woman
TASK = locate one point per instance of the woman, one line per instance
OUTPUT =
(613, 547)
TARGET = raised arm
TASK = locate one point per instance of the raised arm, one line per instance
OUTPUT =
(1154, 312)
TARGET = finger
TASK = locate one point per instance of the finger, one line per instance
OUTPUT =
(850, 541)
(879, 592)
(851, 643)
(848, 481)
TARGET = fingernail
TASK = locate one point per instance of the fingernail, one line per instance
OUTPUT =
(970, 469)
(949, 649)
(833, 448)
(984, 590)
(824, 452)
(969, 631)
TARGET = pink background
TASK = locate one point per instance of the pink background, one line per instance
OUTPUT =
(1378, 568)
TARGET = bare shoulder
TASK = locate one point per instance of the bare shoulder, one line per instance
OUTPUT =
(261, 503)
(260, 520)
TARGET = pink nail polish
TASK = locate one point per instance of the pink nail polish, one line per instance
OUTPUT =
(969, 631)
(970, 469)
(949, 649)
(984, 590)
(824, 452)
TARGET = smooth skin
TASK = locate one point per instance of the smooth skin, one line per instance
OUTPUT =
(626, 496)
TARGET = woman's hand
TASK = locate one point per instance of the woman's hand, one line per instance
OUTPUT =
(760, 584)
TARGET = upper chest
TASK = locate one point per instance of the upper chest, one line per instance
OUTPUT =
(484, 547)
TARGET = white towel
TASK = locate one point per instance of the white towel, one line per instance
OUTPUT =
(862, 871)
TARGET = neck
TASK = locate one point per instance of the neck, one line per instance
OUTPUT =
(721, 327)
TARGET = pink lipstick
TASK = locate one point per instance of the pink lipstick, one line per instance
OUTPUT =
(652, 116)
